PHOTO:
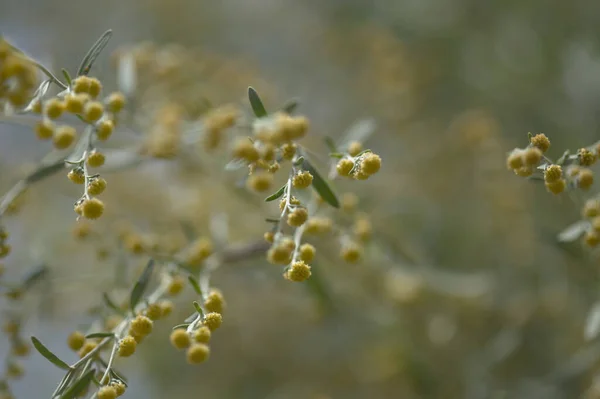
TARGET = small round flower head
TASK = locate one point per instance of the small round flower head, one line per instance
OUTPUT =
(540, 141)
(591, 208)
(176, 285)
(104, 129)
(213, 320)
(354, 148)
(556, 187)
(202, 335)
(81, 84)
(302, 180)
(362, 229)
(93, 111)
(166, 307)
(76, 176)
(298, 272)
(344, 167)
(20, 348)
(63, 137)
(267, 152)
(94, 88)
(586, 157)
(198, 251)
(288, 151)
(74, 103)
(44, 129)
(92, 208)
(214, 302)
(54, 108)
(585, 179)
(274, 167)
(260, 181)
(180, 338)
(552, 173)
(524, 171)
(591, 239)
(76, 340)
(318, 225)
(141, 325)
(297, 217)
(154, 312)
(14, 370)
(96, 159)
(532, 156)
(279, 254)
(293, 201)
(96, 186)
(197, 353)
(370, 164)
(244, 149)
(127, 346)
(115, 102)
(119, 387)
(106, 392)
(307, 252)
(351, 252)
(87, 347)
(269, 237)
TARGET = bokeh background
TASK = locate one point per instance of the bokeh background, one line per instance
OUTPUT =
(464, 291)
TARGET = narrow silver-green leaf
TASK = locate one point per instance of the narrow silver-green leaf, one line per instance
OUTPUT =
(277, 194)
(48, 354)
(337, 155)
(360, 132)
(34, 276)
(83, 145)
(563, 158)
(290, 106)
(256, 103)
(100, 335)
(183, 325)
(93, 53)
(67, 77)
(363, 152)
(195, 285)
(198, 308)
(140, 287)
(574, 231)
(79, 386)
(111, 304)
(321, 185)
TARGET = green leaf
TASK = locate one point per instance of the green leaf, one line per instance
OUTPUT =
(100, 335)
(140, 286)
(574, 231)
(49, 355)
(257, 106)
(198, 308)
(183, 325)
(330, 144)
(563, 158)
(83, 145)
(67, 77)
(272, 220)
(337, 155)
(80, 385)
(111, 304)
(276, 195)
(93, 53)
(290, 106)
(34, 276)
(195, 285)
(321, 185)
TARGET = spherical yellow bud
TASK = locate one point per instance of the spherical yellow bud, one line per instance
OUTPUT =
(591, 208)
(44, 129)
(95, 159)
(591, 239)
(302, 180)
(362, 229)
(586, 157)
(76, 176)
(166, 307)
(307, 252)
(141, 325)
(180, 338)
(585, 179)
(198, 251)
(82, 230)
(269, 237)
(106, 392)
(524, 171)
(74, 103)
(104, 129)
(541, 141)
(202, 335)
(274, 167)
(556, 187)
(370, 163)
(351, 252)
(92, 208)
(267, 152)
(87, 347)
(93, 111)
(244, 149)
(119, 387)
(213, 320)
(153, 311)
(552, 173)
(63, 137)
(297, 217)
(354, 148)
(214, 302)
(20, 348)
(318, 225)
(344, 167)
(4, 250)
(279, 255)
(260, 181)
(76, 340)
(176, 285)
(298, 272)
(197, 353)
(94, 88)
(127, 346)
(532, 156)
(288, 151)
(96, 186)
(54, 108)
(115, 102)
(81, 84)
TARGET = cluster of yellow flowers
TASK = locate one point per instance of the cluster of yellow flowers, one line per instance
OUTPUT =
(18, 76)
(357, 163)
(570, 171)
